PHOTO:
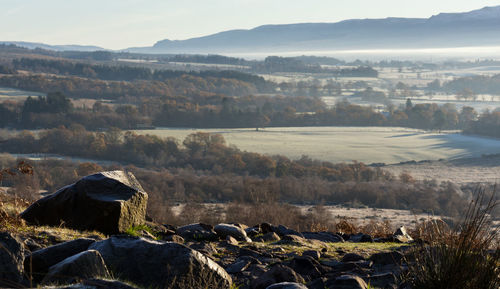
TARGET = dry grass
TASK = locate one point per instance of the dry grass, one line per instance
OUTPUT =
(466, 257)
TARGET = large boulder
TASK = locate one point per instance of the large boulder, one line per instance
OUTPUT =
(11, 261)
(39, 262)
(153, 264)
(224, 230)
(109, 202)
(84, 265)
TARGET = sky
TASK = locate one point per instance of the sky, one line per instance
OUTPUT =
(118, 24)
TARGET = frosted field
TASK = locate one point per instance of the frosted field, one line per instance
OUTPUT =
(345, 144)
(16, 94)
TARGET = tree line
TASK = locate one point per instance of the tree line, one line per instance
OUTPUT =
(56, 109)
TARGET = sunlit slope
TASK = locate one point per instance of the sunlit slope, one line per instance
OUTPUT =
(338, 144)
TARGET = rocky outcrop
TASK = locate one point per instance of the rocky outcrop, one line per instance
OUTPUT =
(11, 261)
(109, 202)
(154, 264)
(85, 265)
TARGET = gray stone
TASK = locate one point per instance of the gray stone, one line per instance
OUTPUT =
(109, 202)
(231, 240)
(197, 232)
(312, 253)
(84, 265)
(347, 282)
(224, 230)
(153, 264)
(323, 236)
(352, 257)
(277, 274)
(238, 266)
(387, 258)
(173, 238)
(401, 235)
(287, 285)
(40, 261)
(384, 280)
(11, 261)
(101, 284)
(268, 237)
(282, 231)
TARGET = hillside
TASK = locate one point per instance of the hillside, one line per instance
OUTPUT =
(475, 28)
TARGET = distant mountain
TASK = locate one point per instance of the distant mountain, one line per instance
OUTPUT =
(476, 28)
(33, 45)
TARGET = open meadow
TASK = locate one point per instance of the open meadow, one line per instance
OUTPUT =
(345, 144)
(16, 94)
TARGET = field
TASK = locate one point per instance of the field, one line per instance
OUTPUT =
(344, 144)
(16, 94)
(459, 171)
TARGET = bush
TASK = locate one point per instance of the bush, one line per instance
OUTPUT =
(466, 257)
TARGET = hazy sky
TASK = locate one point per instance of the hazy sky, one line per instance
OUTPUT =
(124, 23)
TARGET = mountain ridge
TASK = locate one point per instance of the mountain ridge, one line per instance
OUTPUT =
(479, 27)
(475, 28)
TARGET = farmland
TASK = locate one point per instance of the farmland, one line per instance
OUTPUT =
(344, 144)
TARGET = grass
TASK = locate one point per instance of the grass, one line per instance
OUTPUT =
(344, 144)
(466, 257)
(136, 231)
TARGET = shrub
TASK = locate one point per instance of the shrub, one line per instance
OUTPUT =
(465, 257)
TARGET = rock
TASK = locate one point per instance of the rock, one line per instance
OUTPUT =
(282, 231)
(40, 261)
(84, 265)
(109, 202)
(307, 267)
(173, 238)
(352, 257)
(287, 285)
(154, 264)
(318, 283)
(11, 261)
(266, 228)
(231, 240)
(401, 235)
(224, 230)
(198, 232)
(269, 237)
(293, 238)
(252, 231)
(249, 252)
(312, 253)
(323, 236)
(344, 267)
(32, 245)
(360, 238)
(207, 249)
(386, 280)
(277, 274)
(387, 258)
(238, 266)
(347, 282)
(101, 284)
